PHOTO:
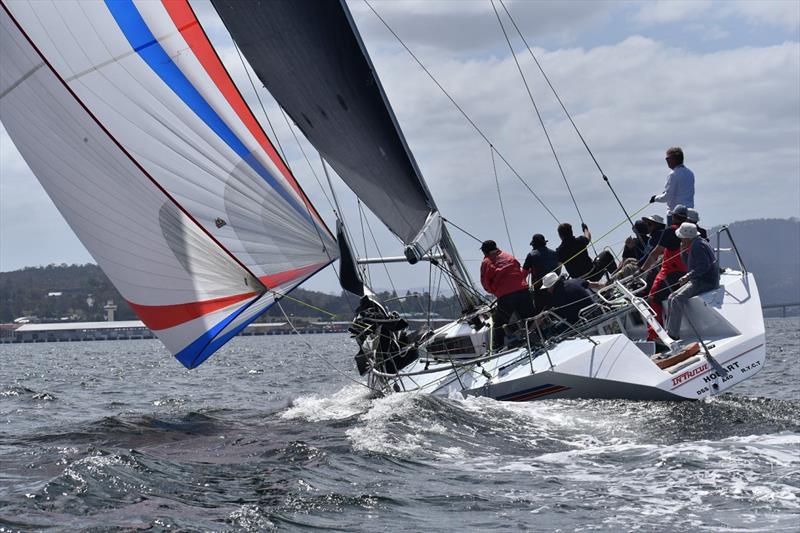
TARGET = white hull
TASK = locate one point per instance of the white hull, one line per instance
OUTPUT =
(614, 366)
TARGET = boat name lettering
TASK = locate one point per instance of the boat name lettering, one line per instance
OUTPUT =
(677, 380)
(721, 373)
(750, 367)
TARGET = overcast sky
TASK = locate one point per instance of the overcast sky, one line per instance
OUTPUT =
(719, 78)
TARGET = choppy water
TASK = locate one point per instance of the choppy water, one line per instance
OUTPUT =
(110, 436)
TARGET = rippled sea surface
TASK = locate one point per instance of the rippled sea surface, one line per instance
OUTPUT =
(267, 435)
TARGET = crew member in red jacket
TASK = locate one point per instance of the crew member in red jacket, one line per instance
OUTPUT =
(502, 276)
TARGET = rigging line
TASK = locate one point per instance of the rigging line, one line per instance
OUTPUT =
(263, 109)
(564, 108)
(319, 355)
(451, 309)
(386, 268)
(538, 113)
(282, 152)
(338, 211)
(365, 267)
(459, 228)
(302, 150)
(280, 295)
(460, 109)
(461, 283)
(500, 197)
(430, 292)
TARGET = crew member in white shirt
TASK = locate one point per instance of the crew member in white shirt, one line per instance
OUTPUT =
(679, 188)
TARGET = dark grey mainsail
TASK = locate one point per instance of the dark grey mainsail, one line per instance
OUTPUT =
(310, 57)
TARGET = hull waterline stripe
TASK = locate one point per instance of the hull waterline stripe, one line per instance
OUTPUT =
(143, 41)
(535, 392)
(185, 20)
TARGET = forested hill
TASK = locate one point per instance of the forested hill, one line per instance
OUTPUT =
(79, 292)
(770, 248)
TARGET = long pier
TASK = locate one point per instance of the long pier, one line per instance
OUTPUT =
(783, 307)
(135, 329)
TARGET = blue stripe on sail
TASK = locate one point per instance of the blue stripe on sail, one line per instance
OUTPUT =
(208, 343)
(146, 45)
(204, 346)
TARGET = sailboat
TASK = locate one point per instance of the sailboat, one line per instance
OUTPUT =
(134, 127)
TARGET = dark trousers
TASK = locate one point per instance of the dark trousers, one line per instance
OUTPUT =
(602, 264)
(519, 303)
(541, 300)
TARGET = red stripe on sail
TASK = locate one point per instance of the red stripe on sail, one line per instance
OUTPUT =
(184, 19)
(158, 317)
(274, 280)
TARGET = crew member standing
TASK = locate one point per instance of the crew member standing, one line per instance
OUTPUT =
(679, 188)
(502, 276)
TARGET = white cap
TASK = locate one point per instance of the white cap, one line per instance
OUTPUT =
(687, 231)
(658, 219)
(549, 280)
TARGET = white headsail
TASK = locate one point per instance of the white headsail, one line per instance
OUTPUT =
(129, 120)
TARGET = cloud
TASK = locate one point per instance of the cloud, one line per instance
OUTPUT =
(782, 13)
(471, 27)
(665, 11)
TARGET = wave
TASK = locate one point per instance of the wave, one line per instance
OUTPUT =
(20, 392)
(415, 425)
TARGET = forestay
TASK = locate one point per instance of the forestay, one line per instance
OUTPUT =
(311, 58)
(129, 120)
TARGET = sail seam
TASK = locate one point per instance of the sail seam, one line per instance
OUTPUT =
(289, 175)
(135, 29)
(120, 146)
(24, 77)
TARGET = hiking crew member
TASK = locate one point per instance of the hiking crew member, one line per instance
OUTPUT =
(656, 227)
(672, 267)
(540, 261)
(694, 217)
(635, 245)
(567, 298)
(679, 188)
(703, 275)
(653, 228)
(502, 277)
